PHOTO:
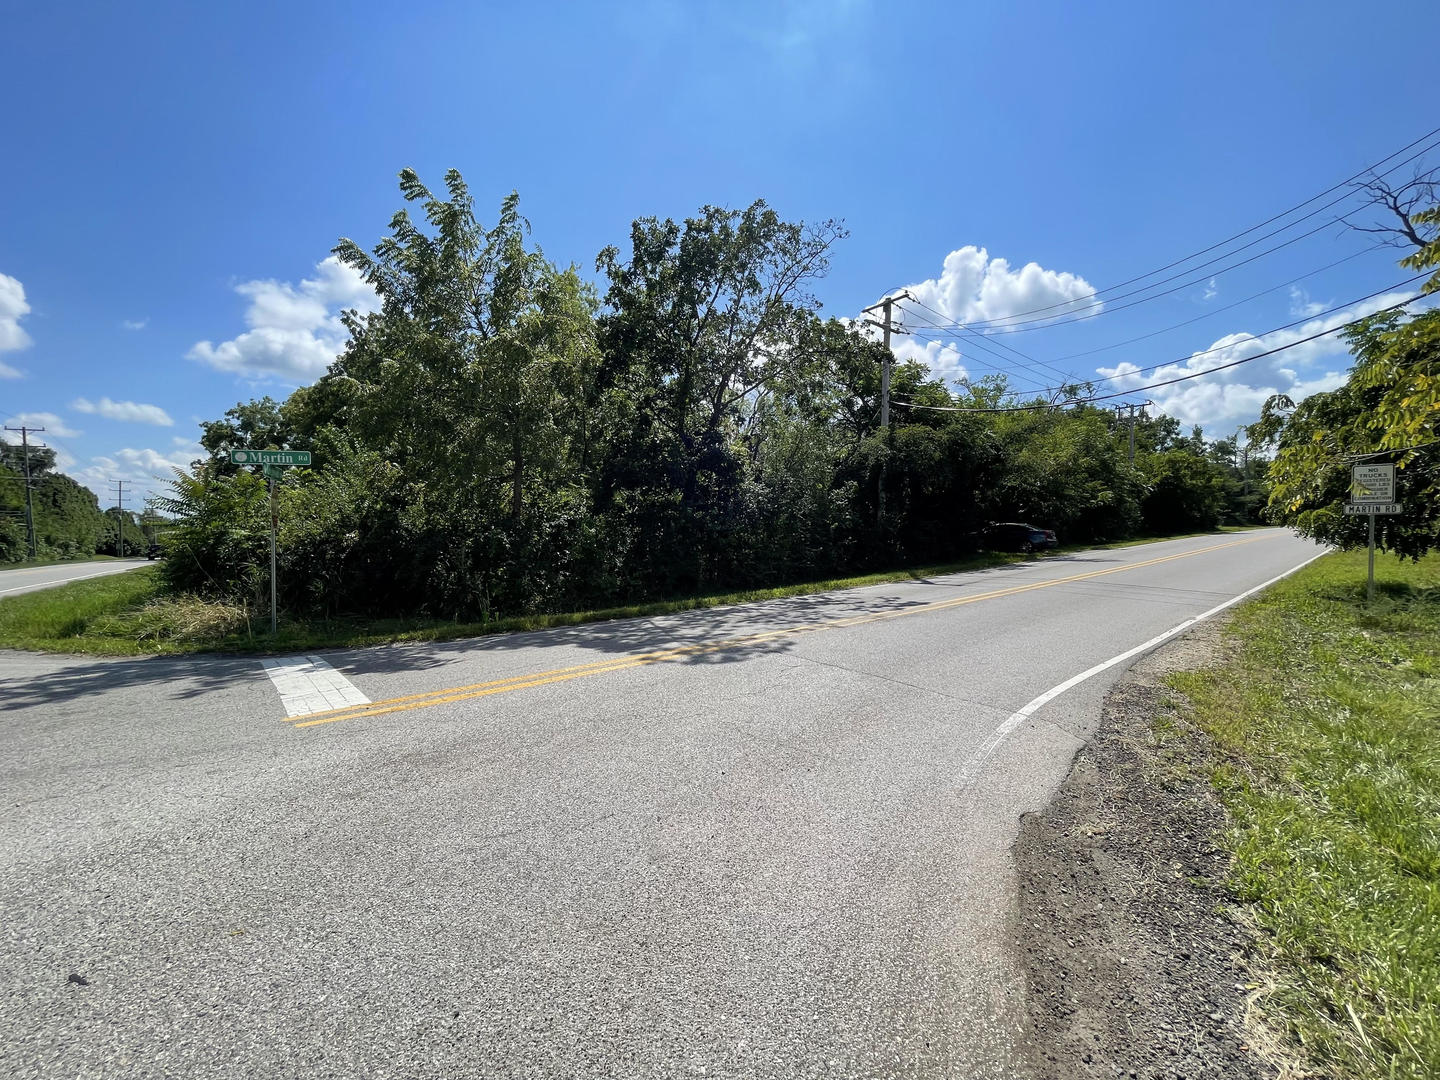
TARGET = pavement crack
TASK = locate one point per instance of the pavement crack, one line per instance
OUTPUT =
(997, 709)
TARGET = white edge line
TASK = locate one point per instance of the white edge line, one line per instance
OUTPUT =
(67, 581)
(1020, 715)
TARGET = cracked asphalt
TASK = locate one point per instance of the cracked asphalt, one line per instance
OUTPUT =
(780, 847)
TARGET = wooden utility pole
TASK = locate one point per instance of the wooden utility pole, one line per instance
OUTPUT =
(1132, 408)
(886, 326)
(120, 516)
(29, 502)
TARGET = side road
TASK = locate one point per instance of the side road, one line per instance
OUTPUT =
(28, 579)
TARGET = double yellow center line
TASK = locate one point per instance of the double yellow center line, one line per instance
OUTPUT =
(620, 663)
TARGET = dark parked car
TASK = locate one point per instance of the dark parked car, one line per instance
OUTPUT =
(154, 551)
(1017, 536)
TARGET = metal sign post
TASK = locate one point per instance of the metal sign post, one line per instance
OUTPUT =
(271, 463)
(1372, 491)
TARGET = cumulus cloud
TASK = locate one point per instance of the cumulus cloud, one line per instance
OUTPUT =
(53, 425)
(1225, 399)
(974, 288)
(144, 470)
(943, 359)
(130, 411)
(294, 331)
(13, 308)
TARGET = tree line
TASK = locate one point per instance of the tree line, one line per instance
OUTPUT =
(69, 523)
(501, 437)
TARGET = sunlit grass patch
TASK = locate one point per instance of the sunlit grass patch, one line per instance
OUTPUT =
(1330, 712)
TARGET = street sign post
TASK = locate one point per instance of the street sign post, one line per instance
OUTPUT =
(272, 463)
(1372, 491)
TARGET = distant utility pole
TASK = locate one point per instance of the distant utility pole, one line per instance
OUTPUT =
(887, 325)
(1244, 456)
(120, 515)
(29, 502)
(1133, 409)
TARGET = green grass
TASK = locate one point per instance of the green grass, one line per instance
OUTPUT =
(1328, 718)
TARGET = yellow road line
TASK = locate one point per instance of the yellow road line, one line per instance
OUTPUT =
(620, 663)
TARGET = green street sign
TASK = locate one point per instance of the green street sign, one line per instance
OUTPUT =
(270, 457)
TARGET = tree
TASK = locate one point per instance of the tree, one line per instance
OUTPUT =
(259, 425)
(1387, 411)
(706, 337)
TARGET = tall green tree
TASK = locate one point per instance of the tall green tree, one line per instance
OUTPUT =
(1388, 410)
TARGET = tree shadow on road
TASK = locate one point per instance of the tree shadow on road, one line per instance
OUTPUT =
(173, 678)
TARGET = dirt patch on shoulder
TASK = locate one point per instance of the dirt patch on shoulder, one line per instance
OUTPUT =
(1134, 968)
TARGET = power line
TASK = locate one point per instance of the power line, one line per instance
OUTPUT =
(1167, 382)
(1007, 320)
(1218, 310)
(1255, 337)
(1049, 321)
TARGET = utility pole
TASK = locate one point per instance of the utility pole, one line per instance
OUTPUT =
(885, 365)
(1133, 409)
(886, 327)
(29, 502)
(120, 516)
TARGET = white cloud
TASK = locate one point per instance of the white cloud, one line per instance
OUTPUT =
(1225, 399)
(295, 331)
(1211, 290)
(53, 425)
(943, 359)
(13, 308)
(974, 288)
(135, 324)
(130, 411)
(1301, 306)
(8, 372)
(145, 471)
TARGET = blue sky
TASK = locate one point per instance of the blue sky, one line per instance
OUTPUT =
(177, 173)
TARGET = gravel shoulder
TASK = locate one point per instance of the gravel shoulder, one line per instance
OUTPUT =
(1134, 957)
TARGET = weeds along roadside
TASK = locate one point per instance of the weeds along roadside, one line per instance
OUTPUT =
(1327, 716)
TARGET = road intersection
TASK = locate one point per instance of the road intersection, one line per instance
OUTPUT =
(763, 840)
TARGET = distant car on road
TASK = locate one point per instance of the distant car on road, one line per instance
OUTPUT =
(1017, 536)
(154, 551)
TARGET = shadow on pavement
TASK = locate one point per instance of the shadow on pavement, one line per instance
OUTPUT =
(710, 626)
(173, 677)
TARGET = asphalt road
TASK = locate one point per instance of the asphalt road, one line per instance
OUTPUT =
(34, 578)
(759, 841)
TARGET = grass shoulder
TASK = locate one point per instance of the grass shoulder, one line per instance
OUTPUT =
(1326, 717)
(130, 615)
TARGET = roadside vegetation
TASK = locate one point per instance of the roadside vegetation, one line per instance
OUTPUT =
(504, 439)
(1328, 718)
(133, 614)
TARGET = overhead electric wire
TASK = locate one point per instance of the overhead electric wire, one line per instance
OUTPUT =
(1059, 320)
(1178, 379)
(979, 338)
(1216, 311)
(1370, 169)
(1254, 337)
